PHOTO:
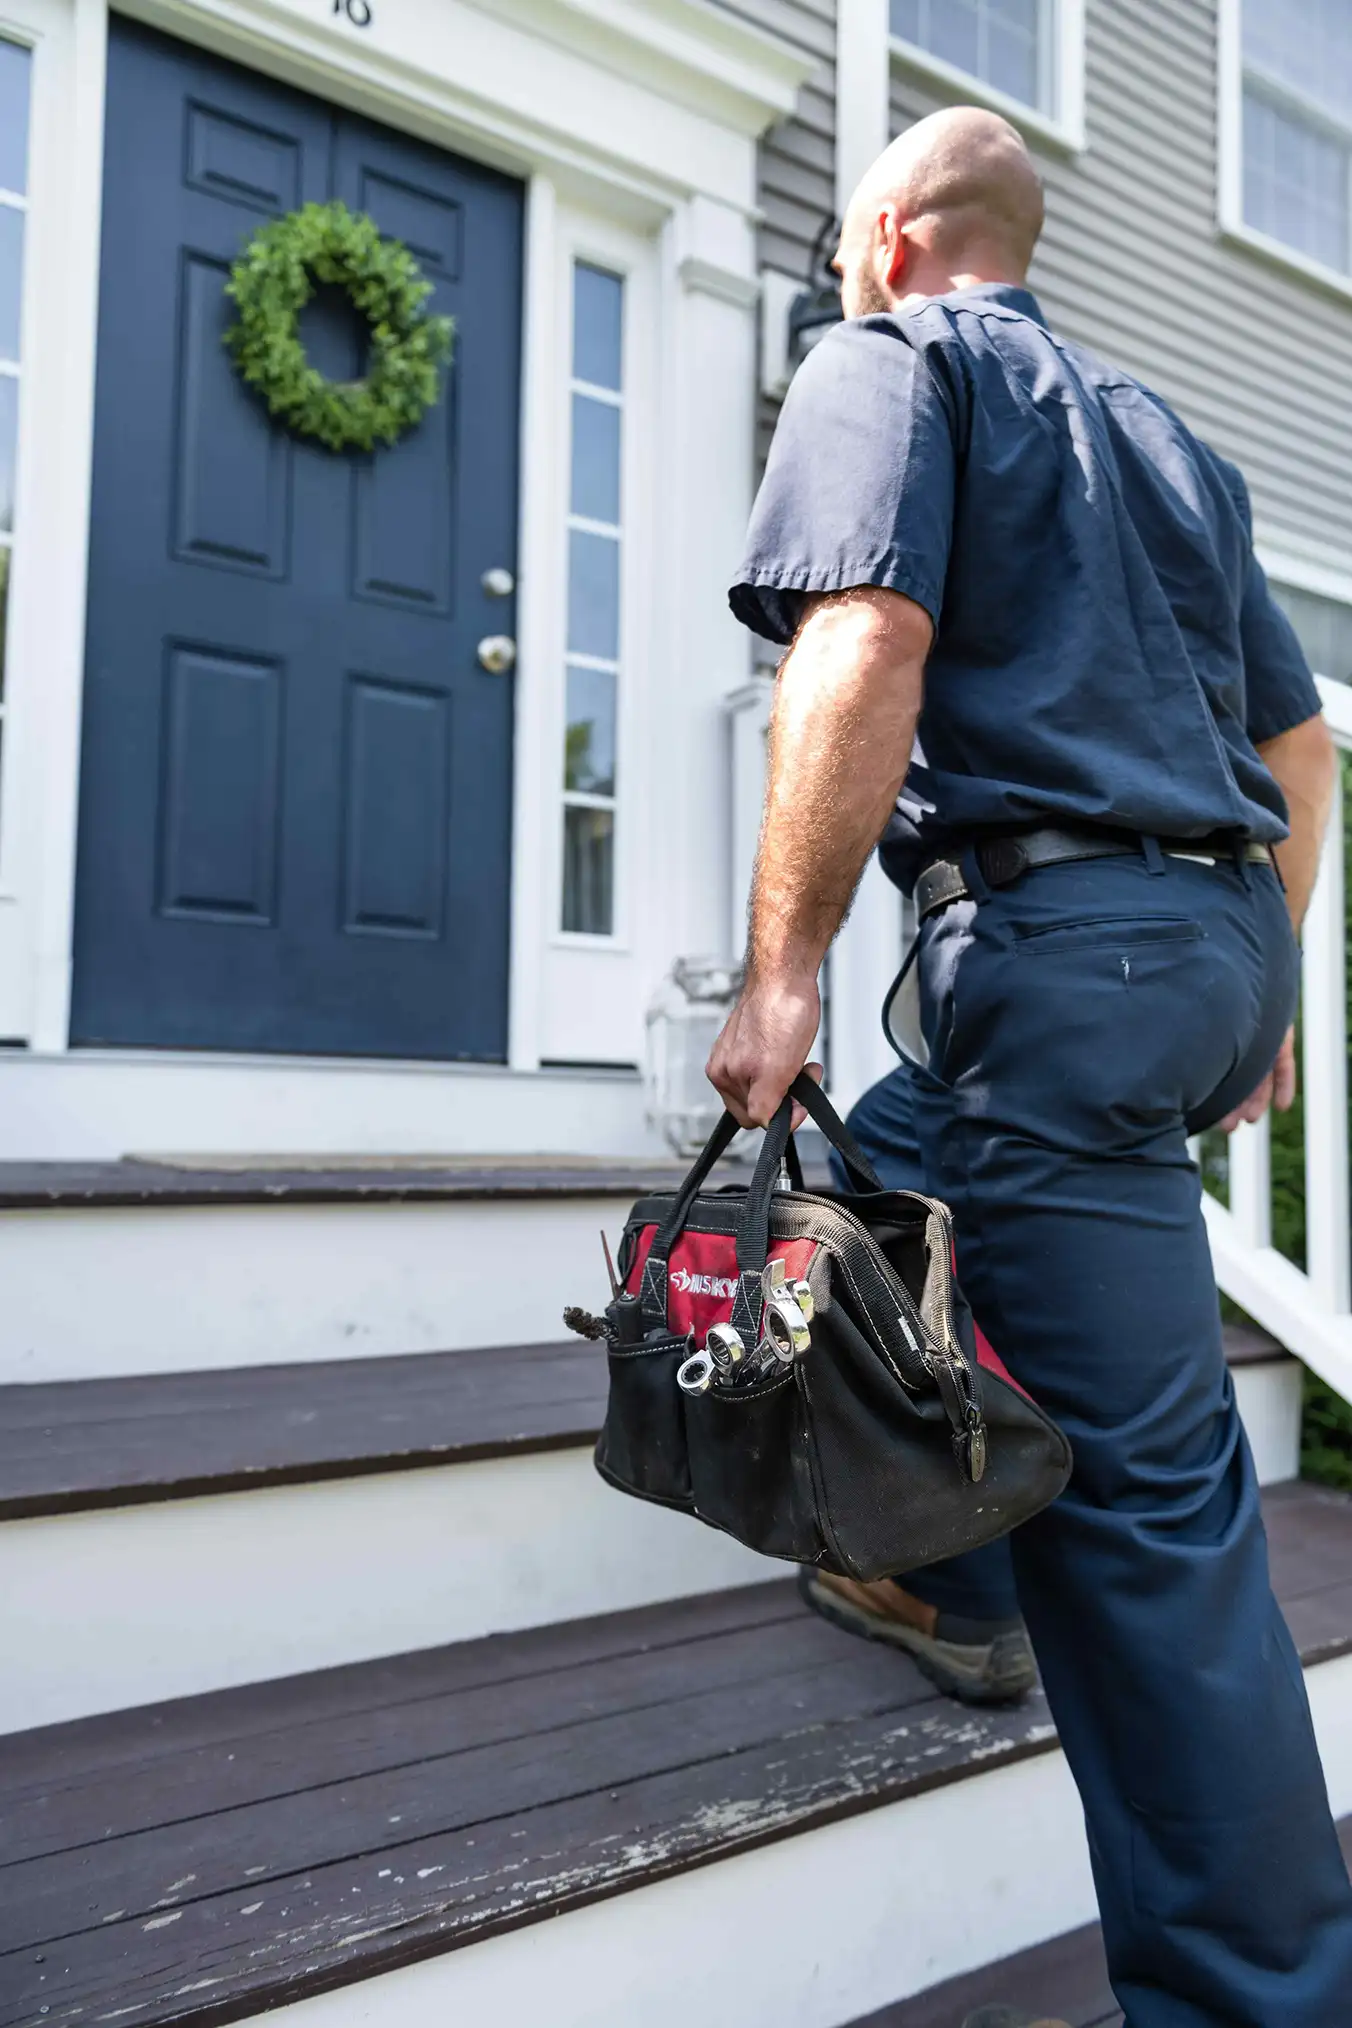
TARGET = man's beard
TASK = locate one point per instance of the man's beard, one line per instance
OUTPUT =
(872, 296)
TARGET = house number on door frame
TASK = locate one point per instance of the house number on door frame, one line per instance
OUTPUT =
(358, 12)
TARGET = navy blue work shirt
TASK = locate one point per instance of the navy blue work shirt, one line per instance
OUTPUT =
(1106, 649)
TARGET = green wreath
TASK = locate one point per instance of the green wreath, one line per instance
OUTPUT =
(270, 284)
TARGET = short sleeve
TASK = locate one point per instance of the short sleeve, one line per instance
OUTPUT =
(1279, 690)
(859, 485)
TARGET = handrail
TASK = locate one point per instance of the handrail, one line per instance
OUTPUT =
(1309, 1309)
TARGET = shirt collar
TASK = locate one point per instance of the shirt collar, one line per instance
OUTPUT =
(1009, 295)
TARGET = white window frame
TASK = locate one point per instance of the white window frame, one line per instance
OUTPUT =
(605, 974)
(45, 647)
(1230, 75)
(22, 202)
(630, 257)
(1064, 126)
(1304, 573)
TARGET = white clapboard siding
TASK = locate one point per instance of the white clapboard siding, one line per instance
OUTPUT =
(796, 178)
(1132, 263)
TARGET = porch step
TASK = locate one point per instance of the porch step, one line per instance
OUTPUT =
(740, 1813)
(173, 1534)
(85, 1105)
(1066, 1979)
(280, 1261)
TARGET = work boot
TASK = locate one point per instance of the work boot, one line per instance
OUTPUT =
(1009, 2017)
(978, 1661)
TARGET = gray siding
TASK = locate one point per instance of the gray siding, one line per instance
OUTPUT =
(797, 157)
(1257, 361)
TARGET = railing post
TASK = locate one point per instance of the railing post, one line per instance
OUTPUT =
(1324, 1076)
(1251, 1184)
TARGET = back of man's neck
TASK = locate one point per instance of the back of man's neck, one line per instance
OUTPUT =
(950, 285)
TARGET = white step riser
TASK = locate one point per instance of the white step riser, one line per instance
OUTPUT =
(146, 1289)
(1269, 1398)
(97, 1105)
(91, 1294)
(810, 1933)
(130, 1605)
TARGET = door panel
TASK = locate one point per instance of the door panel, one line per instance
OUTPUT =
(220, 792)
(295, 799)
(395, 807)
(231, 470)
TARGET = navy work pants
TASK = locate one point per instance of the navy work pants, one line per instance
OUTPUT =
(1081, 1023)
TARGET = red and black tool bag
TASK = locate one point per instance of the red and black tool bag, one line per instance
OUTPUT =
(895, 1440)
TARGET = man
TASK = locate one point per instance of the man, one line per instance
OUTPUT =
(963, 509)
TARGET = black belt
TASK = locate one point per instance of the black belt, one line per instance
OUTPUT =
(1004, 858)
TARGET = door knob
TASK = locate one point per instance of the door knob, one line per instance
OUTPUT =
(497, 653)
(498, 582)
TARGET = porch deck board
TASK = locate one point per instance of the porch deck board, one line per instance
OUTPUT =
(208, 1859)
(73, 1445)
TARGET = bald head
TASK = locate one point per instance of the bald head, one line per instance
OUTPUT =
(954, 197)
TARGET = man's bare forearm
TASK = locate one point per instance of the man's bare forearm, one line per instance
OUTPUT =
(1304, 764)
(844, 723)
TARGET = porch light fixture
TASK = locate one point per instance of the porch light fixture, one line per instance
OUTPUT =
(683, 1022)
(817, 307)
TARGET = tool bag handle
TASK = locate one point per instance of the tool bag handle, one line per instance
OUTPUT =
(754, 1225)
(753, 1228)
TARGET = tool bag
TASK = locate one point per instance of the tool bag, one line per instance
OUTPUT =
(835, 1404)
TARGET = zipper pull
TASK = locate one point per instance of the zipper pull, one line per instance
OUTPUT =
(971, 1445)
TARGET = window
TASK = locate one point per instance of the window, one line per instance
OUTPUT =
(1297, 125)
(1324, 628)
(1023, 57)
(1005, 43)
(15, 65)
(593, 659)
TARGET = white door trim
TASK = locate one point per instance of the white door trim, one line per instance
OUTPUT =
(646, 111)
(56, 419)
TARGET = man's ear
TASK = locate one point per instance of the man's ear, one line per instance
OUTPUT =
(895, 252)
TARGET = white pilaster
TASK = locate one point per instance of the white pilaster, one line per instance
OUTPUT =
(713, 359)
(862, 114)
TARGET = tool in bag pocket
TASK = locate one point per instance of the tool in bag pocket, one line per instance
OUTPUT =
(800, 1369)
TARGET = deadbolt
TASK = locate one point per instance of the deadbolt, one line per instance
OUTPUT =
(497, 653)
(498, 582)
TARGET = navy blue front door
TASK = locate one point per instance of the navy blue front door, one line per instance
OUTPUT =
(296, 788)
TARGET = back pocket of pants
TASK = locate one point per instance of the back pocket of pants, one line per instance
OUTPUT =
(1104, 933)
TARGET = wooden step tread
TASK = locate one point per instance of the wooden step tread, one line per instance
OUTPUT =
(212, 1858)
(1065, 1979)
(53, 1186)
(78, 1444)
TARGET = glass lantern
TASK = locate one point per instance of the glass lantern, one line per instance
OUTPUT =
(687, 1012)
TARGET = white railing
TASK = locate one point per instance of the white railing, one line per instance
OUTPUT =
(1309, 1310)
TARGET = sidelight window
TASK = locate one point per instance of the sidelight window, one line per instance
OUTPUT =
(595, 538)
(15, 86)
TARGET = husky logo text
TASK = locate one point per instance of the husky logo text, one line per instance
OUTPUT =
(703, 1285)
